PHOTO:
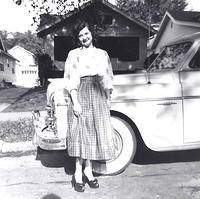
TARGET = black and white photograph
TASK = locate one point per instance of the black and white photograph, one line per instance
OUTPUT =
(100, 99)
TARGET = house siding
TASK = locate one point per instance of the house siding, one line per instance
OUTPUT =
(26, 69)
(7, 68)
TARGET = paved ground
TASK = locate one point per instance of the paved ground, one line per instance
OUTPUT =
(17, 115)
(9, 96)
(47, 175)
(14, 115)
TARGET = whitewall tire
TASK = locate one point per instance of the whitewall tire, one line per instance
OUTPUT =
(127, 145)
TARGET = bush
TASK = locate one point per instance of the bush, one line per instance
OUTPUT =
(16, 131)
(4, 84)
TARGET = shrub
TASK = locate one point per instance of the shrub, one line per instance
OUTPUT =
(16, 131)
(4, 84)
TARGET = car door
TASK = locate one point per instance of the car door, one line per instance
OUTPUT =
(190, 80)
(165, 78)
(167, 109)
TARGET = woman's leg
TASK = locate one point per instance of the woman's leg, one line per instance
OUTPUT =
(88, 170)
(78, 171)
(92, 182)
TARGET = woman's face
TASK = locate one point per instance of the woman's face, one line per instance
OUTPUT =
(85, 37)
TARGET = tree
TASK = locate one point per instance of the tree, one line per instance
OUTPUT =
(34, 44)
(50, 7)
(27, 40)
(150, 11)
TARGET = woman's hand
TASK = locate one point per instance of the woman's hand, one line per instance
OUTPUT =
(108, 103)
(77, 109)
(108, 97)
(76, 105)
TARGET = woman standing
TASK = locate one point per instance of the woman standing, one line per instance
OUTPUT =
(89, 75)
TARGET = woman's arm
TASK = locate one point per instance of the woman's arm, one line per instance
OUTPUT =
(72, 78)
(76, 105)
(108, 78)
(108, 73)
(71, 73)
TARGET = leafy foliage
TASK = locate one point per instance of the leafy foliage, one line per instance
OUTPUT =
(150, 11)
(145, 10)
(27, 40)
(50, 7)
(16, 131)
(34, 44)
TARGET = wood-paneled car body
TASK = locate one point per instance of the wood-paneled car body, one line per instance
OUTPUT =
(160, 106)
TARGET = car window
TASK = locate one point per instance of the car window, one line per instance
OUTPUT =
(195, 61)
(170, 57)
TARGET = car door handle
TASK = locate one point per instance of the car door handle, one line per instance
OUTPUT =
(167, 103)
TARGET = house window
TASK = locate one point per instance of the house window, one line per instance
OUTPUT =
(62, 46)
(8, 63)
(104, 19)
(107, 19)
(123, 48)
(13, 71)
(1, 67)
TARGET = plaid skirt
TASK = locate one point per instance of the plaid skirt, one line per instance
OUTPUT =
(91, 136)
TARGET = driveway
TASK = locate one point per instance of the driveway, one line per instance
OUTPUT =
(10, 95)
(47, 175)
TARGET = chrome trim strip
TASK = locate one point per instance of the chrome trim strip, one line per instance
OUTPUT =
(192, 97)
(155, 99)
(189, 146)
(146, 99)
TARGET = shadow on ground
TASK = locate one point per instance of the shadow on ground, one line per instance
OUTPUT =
(147, 156)
(51, 196)
(143, 157)
(50, 158)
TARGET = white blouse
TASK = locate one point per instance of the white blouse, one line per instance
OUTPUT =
(88, 62)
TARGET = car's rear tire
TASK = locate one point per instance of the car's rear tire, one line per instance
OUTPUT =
(127, 145)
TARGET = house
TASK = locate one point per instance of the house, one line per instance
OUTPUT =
(7, 65)
(26, 73)
(123, 37)
(173, 25)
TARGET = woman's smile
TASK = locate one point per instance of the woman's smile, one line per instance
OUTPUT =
(85, 37)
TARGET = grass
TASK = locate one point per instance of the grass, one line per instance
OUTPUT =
(23, 129)
(34, 99)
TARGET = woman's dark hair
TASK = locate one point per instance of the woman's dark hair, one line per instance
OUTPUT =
(79, 25)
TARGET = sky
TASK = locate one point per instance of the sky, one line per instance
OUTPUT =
(15, 18)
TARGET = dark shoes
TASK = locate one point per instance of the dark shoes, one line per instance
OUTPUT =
(92, 183)
(80, 187)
